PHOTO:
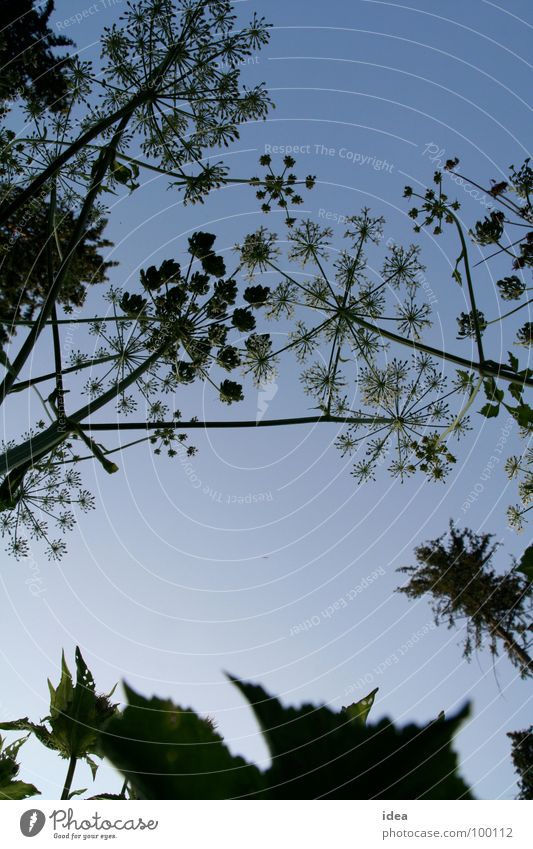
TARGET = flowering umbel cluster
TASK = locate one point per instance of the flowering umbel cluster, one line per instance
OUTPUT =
(396, 410)
(496, 232)
(48, 495)
(170, 82)
(186, 322)
(171, 92)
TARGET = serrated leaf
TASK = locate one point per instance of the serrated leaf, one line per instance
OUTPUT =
(105, 796)
(24, 724)
(76, 712)
(522, 413)
(513, 361)
(526, 563)
(18, 790)
(317, 754)
(516, 390)
(358, 711)
(77, 792)
(167, 752)
(489, 386)
(10, 788)
(491, 390)
(490, 411)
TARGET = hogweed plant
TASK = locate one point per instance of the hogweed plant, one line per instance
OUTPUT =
(367, 361)
(171, 88)
(348, 331)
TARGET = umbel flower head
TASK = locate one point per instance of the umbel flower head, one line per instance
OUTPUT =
(399, 412)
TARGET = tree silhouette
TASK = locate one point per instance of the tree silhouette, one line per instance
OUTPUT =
(29, 68)
(455, 571)
(24, 277)
(522, 755)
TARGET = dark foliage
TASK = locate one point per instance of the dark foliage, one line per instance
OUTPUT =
(24, 280)
(522, 755)
(29, 69)
(456, 573)
(166, 752)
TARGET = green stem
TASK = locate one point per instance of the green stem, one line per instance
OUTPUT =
(35, 448)
(99, 319)
(25, 384)
(182, 179)
(473, 307)
(68, 780)
(8, 209)
(52, 233)
(507, 314)
(78, 233)
(462, 413)
(204, 425)
(485, 368)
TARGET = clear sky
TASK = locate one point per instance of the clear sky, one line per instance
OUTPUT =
(185, 571)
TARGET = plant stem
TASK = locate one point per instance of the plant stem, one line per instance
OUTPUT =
(178, 425)
(68, 779)
(8, 209)
(470, 285)
(100, 171)
(180, 179)
(36, 447)
(25, 384)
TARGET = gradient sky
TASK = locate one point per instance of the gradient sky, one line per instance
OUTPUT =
(170, 581)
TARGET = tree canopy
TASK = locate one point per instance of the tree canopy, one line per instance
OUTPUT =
(457, 574)
(30, 68)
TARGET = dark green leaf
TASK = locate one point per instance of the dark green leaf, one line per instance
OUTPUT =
(317, 753)
(525, 415)
(9, 787)
(358, 711)
(491, 390)
(166, 752)
(24, 724)
(76, 712)
(490, 411)
(18, 790)
(516, 390)
(526, 563)
(77, 792)
(513, 361)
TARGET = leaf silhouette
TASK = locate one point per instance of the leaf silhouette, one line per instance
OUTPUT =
(167, 752)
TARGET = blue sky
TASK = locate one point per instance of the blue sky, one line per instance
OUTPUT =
(186, 570)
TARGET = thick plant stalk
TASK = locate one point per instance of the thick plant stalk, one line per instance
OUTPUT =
(50, 300)
(68, 780)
